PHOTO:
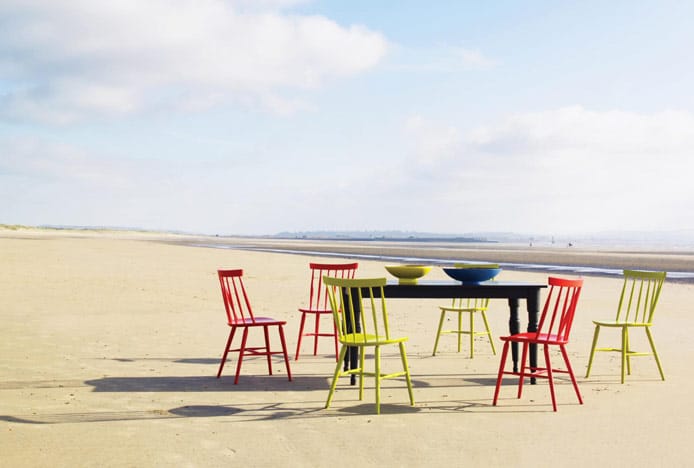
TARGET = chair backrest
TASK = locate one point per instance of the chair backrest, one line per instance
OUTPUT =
(358, 301)
(470, 303)
(640, 294)
(560, 307)
(236, 303)
(318, 298)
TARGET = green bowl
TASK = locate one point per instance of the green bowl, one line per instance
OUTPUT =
(408, 274)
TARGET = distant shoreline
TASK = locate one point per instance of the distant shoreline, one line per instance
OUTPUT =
(608, 262)
(514, 256)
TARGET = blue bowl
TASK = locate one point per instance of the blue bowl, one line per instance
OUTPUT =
(472, 275)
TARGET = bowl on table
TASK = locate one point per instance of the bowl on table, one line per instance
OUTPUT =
(408, 274)
(473, 273)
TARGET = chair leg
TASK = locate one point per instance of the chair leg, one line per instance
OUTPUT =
(361, 372)
(377, 363)
(406, 367)
(315, 334)
(504, 353)
(592, 349)
(550, 377)
(336, 374)
(284, 351)
(438, 332)
(241, 351)
(489, 332)
(226, 351)
(524, 360)
(266, 335)
(335, 340)
(628, 352)
(301, 334)
(472, 334)
(624, 351)
(655, 354)
(571, 372)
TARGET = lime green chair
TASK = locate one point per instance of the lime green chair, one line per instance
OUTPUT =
(471, 307)
(640, 294)
(359, 311)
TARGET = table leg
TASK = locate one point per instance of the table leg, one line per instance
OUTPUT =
(514, 328)
(354, 363)
(533, 304)
(352, 355)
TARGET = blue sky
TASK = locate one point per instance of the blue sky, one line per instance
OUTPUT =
(255, 117)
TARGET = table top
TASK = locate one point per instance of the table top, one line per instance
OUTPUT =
(439, 289)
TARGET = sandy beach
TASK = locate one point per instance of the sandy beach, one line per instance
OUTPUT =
(110, 343)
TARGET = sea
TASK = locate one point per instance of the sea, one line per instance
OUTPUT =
(678, 276)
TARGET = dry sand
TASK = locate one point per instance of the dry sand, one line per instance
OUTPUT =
(109, 344)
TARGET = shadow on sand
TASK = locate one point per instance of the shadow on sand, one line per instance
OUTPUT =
(247, 383)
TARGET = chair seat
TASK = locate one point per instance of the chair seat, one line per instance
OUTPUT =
(258, 322)
(613, 323)
(315, 311)
(462, 309)
(360, 339)
(532, 337)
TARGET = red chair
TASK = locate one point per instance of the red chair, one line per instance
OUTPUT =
(318, 304)
(240, 315)
(553, 329)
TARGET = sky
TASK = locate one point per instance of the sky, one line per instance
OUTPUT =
(256, 117)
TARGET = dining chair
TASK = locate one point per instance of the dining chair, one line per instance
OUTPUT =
(471, 307)
(361, 317)
(318, 305)
(640, 294)
(240, 316)
(553, 330)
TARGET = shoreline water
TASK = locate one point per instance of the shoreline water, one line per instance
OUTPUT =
(594, 259)
(679, 265)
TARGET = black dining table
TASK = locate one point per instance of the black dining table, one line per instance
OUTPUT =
(512, 291)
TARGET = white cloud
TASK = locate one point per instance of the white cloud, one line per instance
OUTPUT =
(267, 4)
(563, 170)
(41, 162)
(432, 141)
(64, 60)
(47, 182)
(574, 127)
(441, 59)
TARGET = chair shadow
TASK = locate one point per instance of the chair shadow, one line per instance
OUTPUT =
(370, 409)
(458, 380)
(178, 361)
(198, 361)
(208, 384)
(491, 381)
(188, 411)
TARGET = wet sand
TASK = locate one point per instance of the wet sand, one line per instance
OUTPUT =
(613, 258)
